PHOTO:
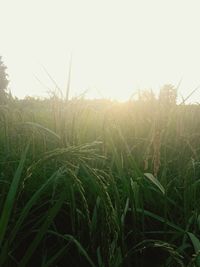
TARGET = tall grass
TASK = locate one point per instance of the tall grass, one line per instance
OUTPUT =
(99, 183)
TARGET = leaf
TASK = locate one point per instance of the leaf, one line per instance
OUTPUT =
(10, 199)
(31, 202)
(155, 182)
(72, 239)
(41, 127)
(198, 221)
(51, 214)
(161, 219)
(196, 245)
(125, 211)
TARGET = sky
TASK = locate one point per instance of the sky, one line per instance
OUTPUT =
(117, 46)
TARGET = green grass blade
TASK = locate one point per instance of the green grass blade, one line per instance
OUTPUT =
(32, 202)
(161, 219)
(10, 199)
(155, 182)
(55, 257)
(41, 127)
(196, 245)
(43, 229)
(78, 245)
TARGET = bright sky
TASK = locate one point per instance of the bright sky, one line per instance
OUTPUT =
(117, 46)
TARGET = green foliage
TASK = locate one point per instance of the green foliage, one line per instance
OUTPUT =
(99, 183)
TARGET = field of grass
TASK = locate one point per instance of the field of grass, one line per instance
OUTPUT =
(99, 183)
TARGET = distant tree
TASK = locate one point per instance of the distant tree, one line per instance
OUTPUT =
(168, 95)
(147, 96)
(3, 82)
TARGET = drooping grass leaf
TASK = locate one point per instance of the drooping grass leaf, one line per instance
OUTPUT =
(42, 230)
(81, 249)
(196, 244)
(32, 202)
(41, 127)
(10, 199)
(155, 182)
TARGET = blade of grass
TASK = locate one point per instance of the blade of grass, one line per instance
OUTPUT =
(32, 202)
(41, 127)
(196, 245)
(55, 257)
(155, 182)
(42, 230)
(161, 219)
(78, 245)
(10, 199)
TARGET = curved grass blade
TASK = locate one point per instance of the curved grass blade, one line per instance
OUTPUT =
(196, 245)
(78, 245)
(10, 199)
(161, 219)
(41, 127)
(31, 202)
(43, 230)
(155, 182)
(55, 257)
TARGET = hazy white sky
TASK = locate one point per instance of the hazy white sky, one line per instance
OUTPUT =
(117, 46)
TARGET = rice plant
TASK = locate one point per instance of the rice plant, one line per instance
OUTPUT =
(99, 183)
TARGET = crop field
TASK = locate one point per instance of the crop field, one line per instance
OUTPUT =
(99, 183)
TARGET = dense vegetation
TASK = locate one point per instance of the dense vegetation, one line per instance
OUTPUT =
(99, 183)
(3, 82)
